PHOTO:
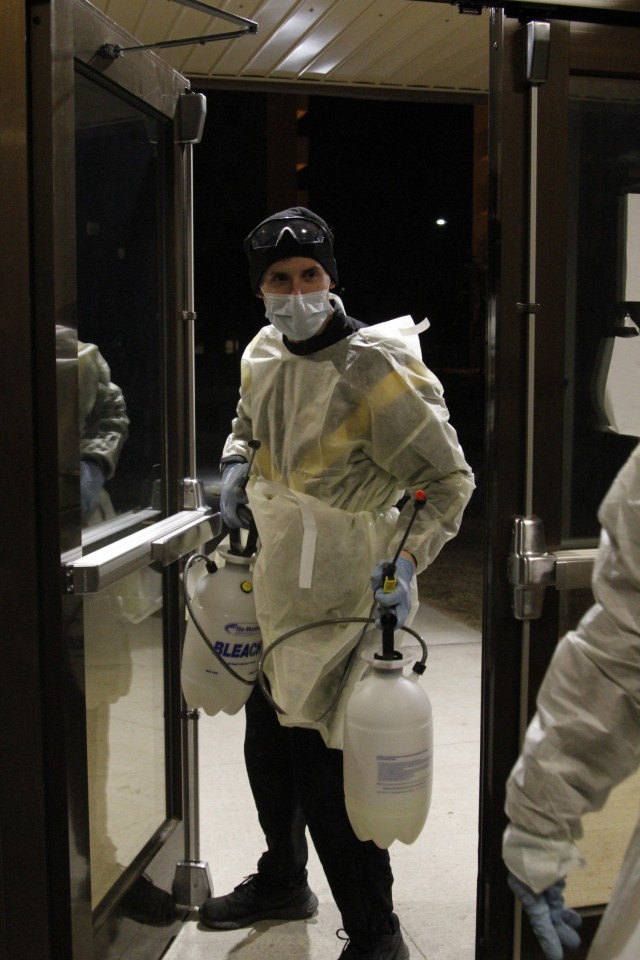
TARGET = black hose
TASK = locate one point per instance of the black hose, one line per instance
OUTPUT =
(418, 667)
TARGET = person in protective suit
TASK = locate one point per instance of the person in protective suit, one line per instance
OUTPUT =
(583, 740)
(104, 424)
(349, 422)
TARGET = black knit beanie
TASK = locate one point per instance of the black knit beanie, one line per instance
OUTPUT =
(288, 246)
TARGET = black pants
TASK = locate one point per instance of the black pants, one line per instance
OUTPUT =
(296, 781)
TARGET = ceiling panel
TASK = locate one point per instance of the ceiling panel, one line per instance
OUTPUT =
(380, 44)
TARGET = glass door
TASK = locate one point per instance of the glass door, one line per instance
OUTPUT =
(604, 118)
(113, 219)
(117, 372)
(565, 163)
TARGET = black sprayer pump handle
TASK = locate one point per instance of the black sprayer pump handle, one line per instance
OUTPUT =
(388, 621)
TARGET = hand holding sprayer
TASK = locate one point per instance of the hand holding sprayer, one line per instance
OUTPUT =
(243, 511)
(391, 581)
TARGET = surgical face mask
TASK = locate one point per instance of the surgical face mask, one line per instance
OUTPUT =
(298, 316)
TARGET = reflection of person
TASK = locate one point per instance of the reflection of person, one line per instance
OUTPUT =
(583, 740)
(104, 428)
(93, 417)
(104, 424)
(349, 420)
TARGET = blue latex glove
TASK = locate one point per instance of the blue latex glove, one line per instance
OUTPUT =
(400, 598)
(553, 924)
(91, 483)
(232, 496)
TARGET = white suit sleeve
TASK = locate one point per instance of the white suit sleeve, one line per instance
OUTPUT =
(237, 443)
(414, 441)
(104, 424)
(585, 736)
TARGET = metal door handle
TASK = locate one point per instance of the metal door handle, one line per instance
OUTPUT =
(178, 543)
(531, 568)
(574, 569)
(165, 541)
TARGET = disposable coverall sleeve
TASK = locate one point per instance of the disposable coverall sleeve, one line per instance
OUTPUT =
(585, 736)
(408, 405)
(236, 448)
(104, 424)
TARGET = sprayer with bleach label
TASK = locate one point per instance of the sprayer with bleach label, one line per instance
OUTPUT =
(223, 643)
(388, 735)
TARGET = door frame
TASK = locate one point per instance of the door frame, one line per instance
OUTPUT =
(33, 807)
(44, 867)
(526, 295)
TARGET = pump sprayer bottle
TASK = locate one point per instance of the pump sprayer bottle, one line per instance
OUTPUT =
(223, 643)
(388, 743)
(388, 754)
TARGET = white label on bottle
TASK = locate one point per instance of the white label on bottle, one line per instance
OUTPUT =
(403, 773)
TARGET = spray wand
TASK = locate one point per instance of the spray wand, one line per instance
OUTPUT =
(388, 618)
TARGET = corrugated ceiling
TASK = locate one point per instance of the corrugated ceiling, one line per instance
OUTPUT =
(380, 45)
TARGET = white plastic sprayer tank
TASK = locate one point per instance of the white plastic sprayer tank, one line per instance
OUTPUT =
(224, 607)
(388, 755)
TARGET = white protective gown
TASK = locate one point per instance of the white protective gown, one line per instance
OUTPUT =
(585, 736)
(344, 432)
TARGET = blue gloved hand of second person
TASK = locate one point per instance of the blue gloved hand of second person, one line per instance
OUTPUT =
(92, 480)
(400, 597)
(554, 924)
(233, 495)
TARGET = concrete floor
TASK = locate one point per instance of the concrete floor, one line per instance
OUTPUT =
(435, 878)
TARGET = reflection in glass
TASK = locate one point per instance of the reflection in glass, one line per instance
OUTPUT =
(118, 281)
(605, 165)
(115, 360)
(90, 402)
(124, 668)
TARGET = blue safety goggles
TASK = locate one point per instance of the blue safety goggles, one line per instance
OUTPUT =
(269, 233)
